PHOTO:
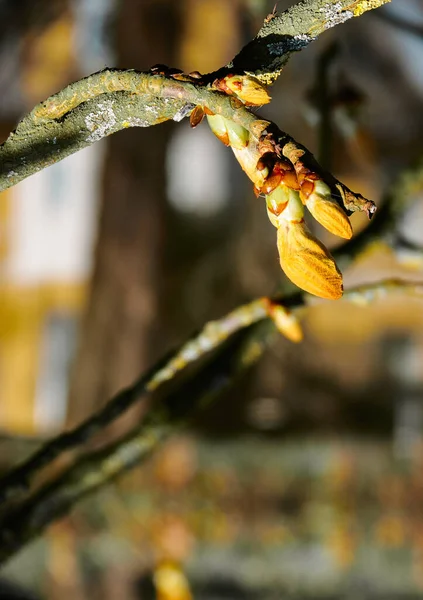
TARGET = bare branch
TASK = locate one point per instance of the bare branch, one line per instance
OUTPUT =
(208, 339)
(112, 100)
(109, 101)
(22, 522)
(281, 35)
(25, 520)
(214, 333)
(103, 103)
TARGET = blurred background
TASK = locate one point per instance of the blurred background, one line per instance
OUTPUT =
(306, 479)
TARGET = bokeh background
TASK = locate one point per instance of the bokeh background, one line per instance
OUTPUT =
(306, 479)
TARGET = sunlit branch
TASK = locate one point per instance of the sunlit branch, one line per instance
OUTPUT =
(288, 32)
(106, 102)
(208, 339)
(22, 521)
(239, 339)
(381, 229)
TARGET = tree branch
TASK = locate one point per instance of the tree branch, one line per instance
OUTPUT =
(100, 105)
(382, 229)
(249, 337)
(111, 100)
(20, 523)
(291, 31)
(85, 112)
(208, 339)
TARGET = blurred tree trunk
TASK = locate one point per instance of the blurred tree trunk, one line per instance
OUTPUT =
(119, 322)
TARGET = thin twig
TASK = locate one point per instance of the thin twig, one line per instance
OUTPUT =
(209, 338)
(381, 229)
(29, 518)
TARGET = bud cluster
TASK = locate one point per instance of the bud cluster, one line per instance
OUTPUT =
(281, 173)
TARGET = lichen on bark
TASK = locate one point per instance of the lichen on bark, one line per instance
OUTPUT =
(105, 102)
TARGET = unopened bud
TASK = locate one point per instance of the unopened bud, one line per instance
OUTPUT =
(247, 157)
(286, 323)
(327, 212)
(276, 203)
(228, 132)
(307, 262)
(218, 126)
(196, 116)
(248, 89)
(238, 135)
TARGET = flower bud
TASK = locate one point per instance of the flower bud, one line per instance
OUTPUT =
(327, 212)
(248, 89)
(218, 126)
(276, 203)
(238, 135)
(228, 132)
(306, 261)
(247, 158)
(286, 323)
(197, 115)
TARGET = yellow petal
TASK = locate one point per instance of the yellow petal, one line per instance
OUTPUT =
(307, 262)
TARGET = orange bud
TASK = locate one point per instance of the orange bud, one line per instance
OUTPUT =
(331, 216)
(286, 323)
(196, 116)
(271, 183)
(326, 211)
(306, 261)
(248, 89)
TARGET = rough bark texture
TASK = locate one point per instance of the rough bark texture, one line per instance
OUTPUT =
(68, 121)
(291, 31)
